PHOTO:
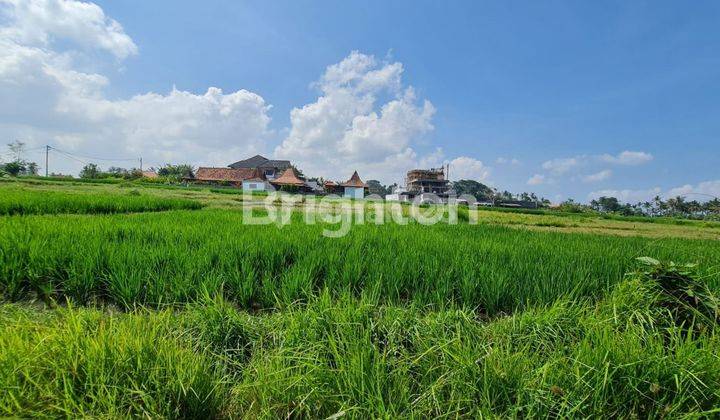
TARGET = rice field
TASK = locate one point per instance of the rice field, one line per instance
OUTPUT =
(14, 201)
(189, 313)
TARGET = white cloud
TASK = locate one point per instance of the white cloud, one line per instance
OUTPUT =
(536, 179)
(465, 167)
(562, 165)
(599, 176)
(572, 165)
(346, 128)
(628, 158)
(46, 97)
(702, 191)
(40, 22)
(364, 117)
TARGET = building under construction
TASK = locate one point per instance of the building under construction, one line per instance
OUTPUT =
(433, 180)
(427, 185)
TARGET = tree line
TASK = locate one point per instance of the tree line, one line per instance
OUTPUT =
(673, 207)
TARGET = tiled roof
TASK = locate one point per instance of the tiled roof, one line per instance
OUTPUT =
(354, 181)
(259, 161)
(224, 174)
(282, 164)
(252, 162)
(289, 177)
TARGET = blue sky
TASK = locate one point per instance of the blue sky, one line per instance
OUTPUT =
(561, 88)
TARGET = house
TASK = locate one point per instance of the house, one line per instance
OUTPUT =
(517, 204)
(314, 186)
(150, 174)
(332, 187)
(269, 168)
(256, 183)
(289, 181)
(354, 187)
(222, 176)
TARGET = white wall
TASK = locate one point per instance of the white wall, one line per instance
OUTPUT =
(253, 186)
(354, 192)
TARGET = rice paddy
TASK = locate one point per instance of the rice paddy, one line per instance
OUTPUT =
(189, 313)
(22, 201)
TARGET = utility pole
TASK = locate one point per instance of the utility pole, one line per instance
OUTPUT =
(47, 152)
(141, 164)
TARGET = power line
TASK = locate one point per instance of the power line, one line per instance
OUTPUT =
(95, 158)
(70, 156)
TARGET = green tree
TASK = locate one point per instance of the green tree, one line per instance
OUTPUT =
(15, 168)
(90, 171)
(375, 187)
(31, 168)
(177, 172)
(606, 205)
(478, 190)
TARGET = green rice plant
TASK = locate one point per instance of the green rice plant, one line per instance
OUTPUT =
(343, 355)
(82, 363)
(172, 258)
(17, 201)
(570, 359)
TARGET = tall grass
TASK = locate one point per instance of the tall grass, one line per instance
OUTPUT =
(170, 258)
(80, 363)
(16, 201)
(226, 320)
(343, 356)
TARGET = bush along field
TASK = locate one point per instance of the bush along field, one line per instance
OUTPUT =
(192, 314)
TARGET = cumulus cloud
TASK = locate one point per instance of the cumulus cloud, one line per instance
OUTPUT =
(537, 179)
(364, 117)
(45, 96)
(628, 158)
(465, 167)
(597, 177)
(702, 191)
(41, 22)
(348, 128)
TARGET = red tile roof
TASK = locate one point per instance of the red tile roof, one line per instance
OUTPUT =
(289, 177)
(224, 174)
(354, 181)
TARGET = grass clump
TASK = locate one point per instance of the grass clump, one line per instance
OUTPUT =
(569, 359)
(84, 363)
(688, 302)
